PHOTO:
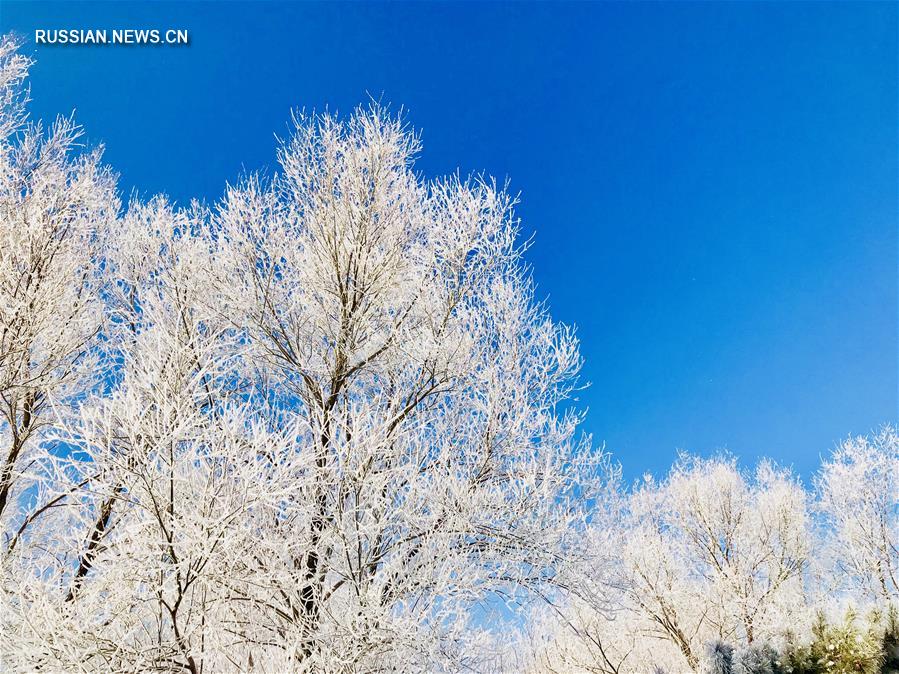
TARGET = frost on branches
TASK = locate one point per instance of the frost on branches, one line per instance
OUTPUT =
(859, 490)
(723, 571)
(55, 208)
(324, 426)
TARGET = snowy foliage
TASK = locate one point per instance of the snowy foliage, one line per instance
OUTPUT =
(722, 570)
(859, 498)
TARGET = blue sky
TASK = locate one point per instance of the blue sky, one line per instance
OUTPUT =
(713, 186)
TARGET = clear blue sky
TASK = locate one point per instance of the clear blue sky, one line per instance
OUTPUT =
(713, 186)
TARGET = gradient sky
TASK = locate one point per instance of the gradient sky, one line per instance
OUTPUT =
(713, 186)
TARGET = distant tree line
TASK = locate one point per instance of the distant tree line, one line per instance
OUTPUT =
(716, 569)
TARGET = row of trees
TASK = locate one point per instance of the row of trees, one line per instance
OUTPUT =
(717, 569)
(325, 426)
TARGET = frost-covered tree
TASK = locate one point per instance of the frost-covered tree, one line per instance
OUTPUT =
(858, 492)
(156, 474)
(717, 553)
(55, 205)
(395, 320)
(708, 554)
